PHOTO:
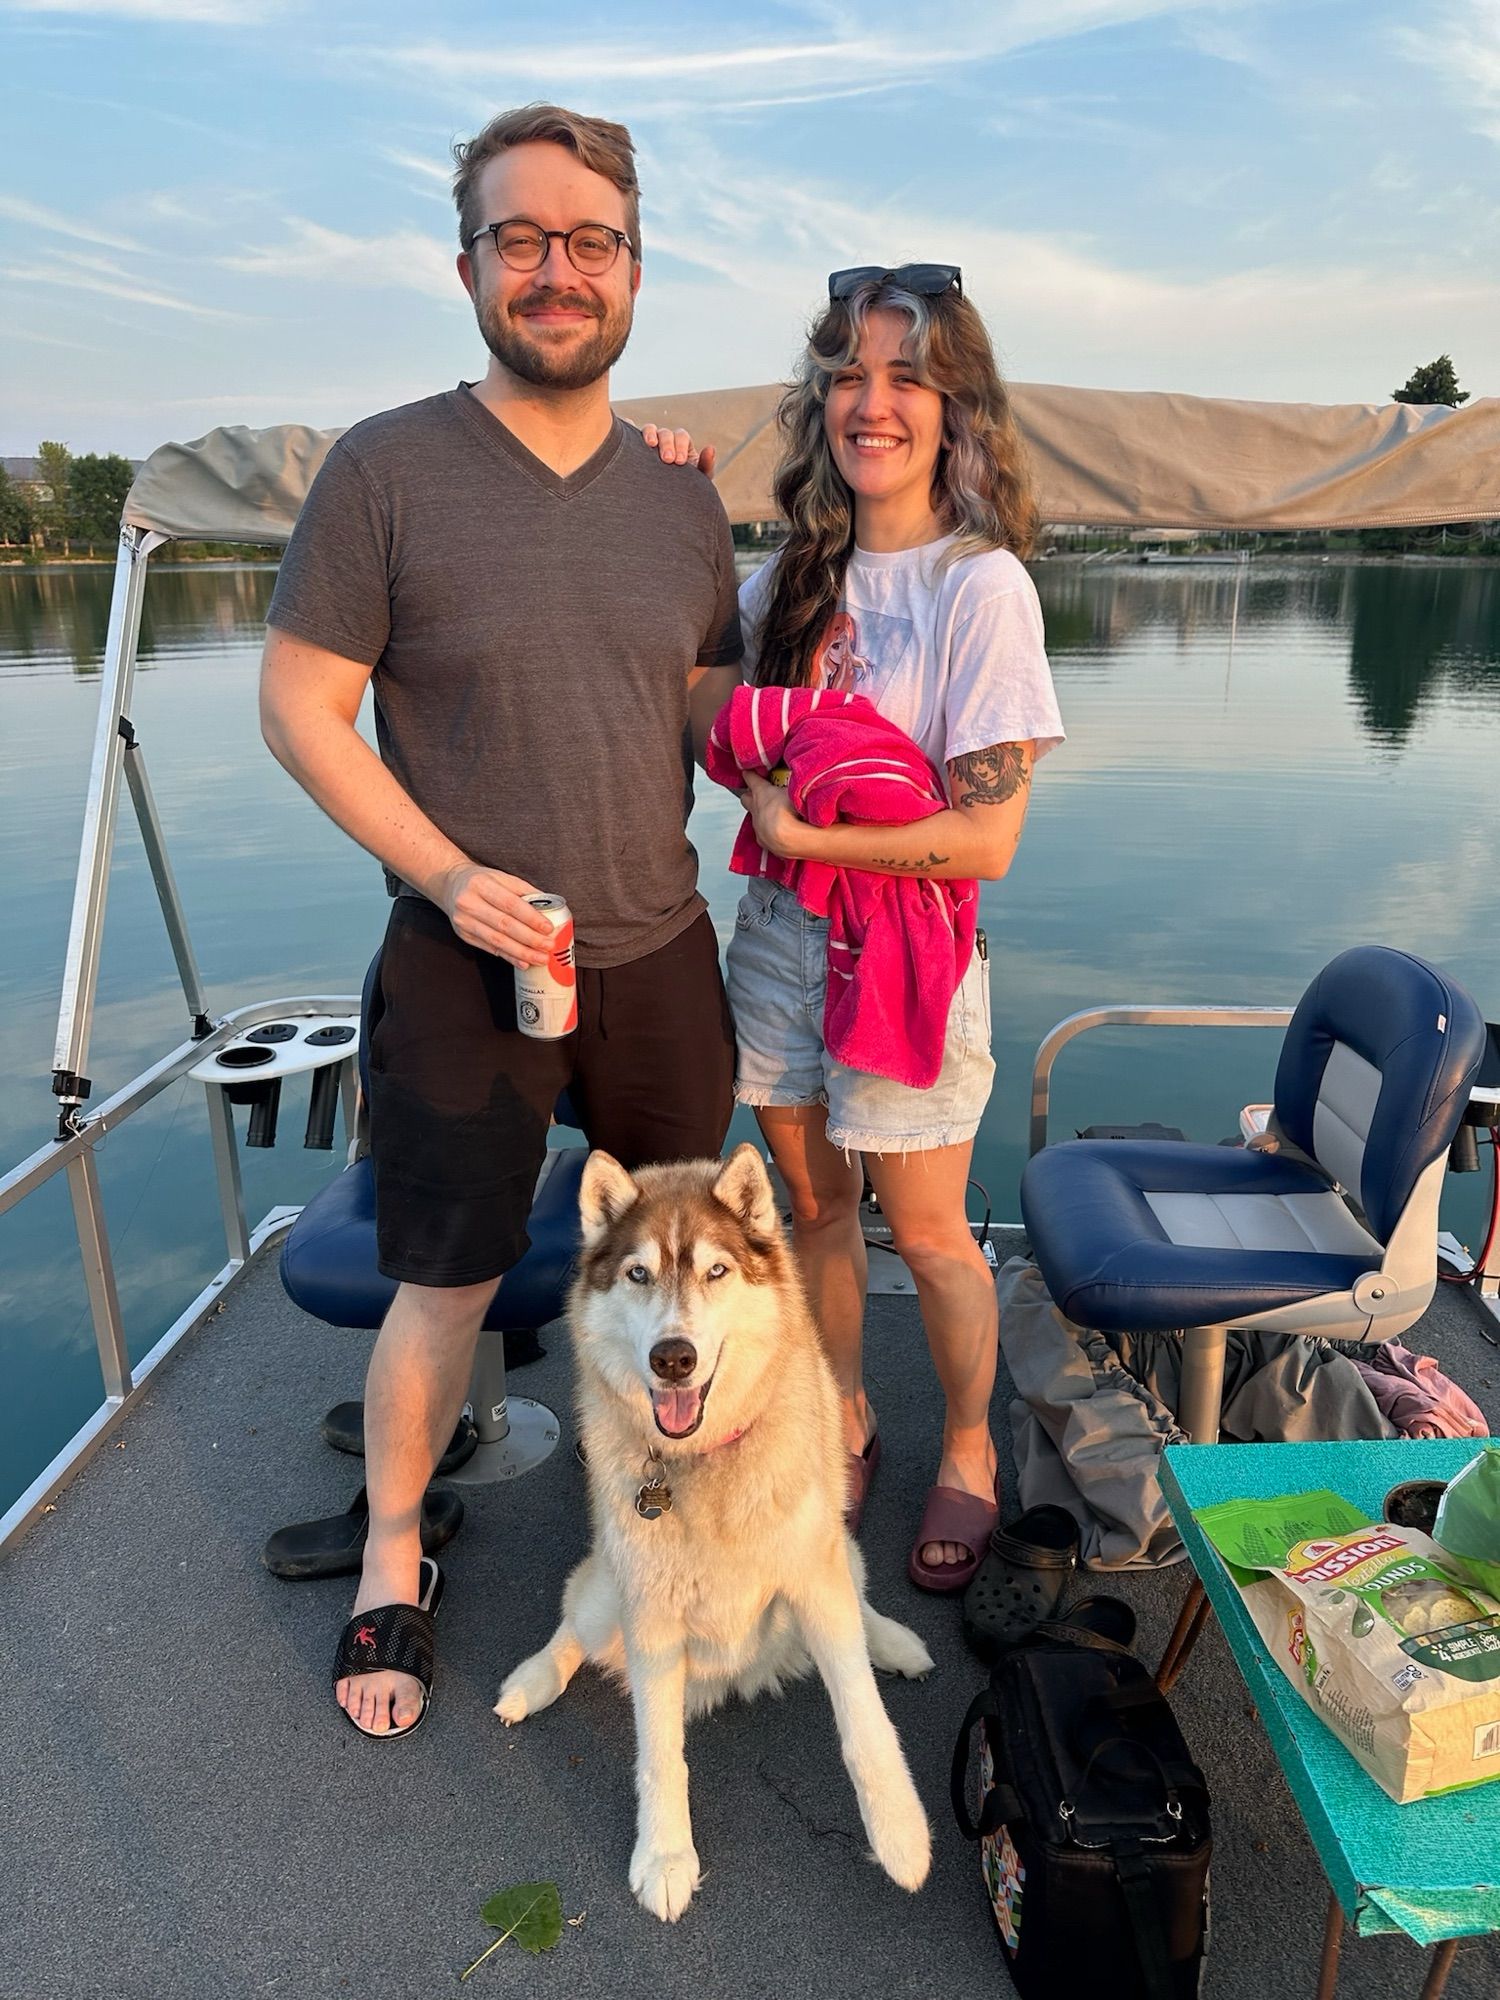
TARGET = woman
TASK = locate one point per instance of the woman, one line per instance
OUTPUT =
(903, 483)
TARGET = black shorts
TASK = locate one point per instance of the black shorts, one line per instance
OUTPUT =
(460, 1099)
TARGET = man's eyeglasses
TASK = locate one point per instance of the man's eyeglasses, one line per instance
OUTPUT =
(522, 246)
(928, 281)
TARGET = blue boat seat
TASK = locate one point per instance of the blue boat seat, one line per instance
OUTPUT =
(1336, 1236)
(328, 1261)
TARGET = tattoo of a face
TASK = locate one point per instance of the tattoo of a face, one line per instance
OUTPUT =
(990, 777)
(916, 867)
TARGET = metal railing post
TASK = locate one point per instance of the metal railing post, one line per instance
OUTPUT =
(99, 1273)
(75, 1017)
(1131, 1017)
(227, 1173)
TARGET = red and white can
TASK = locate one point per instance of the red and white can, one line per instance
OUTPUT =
(547, 995)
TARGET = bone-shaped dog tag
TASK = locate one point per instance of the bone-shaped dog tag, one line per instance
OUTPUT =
(653, 1501)
(654, 1498)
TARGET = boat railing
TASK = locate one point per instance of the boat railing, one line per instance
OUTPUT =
(73, 1153)
(1131, 1017)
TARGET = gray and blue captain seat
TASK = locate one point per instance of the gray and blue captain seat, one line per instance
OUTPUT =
(1161, 1237)
(329, 1265)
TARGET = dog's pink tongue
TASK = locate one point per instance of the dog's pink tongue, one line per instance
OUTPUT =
(676, 1409)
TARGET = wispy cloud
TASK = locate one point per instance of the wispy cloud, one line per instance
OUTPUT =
(112, 283)
(404, 259)
(14, 209)
(415, 163)
(890, 43)
(1461, 43)
(214, 13)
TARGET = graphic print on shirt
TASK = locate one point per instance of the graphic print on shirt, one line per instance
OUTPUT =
(860, 656)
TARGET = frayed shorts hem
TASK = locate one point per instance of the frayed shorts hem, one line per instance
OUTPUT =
(848, 1140)
(776, 1097)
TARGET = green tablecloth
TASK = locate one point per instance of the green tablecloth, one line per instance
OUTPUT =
(1432, 1868)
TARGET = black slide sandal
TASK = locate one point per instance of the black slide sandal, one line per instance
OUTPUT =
(336, 1546)
(396, 1639)
(344, 1429)
(1020, 1581)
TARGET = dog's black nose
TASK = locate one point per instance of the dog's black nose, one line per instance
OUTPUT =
(674, 1360)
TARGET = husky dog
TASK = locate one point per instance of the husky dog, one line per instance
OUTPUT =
(716, 1467)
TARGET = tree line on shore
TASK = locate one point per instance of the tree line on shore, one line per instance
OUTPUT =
(73, 504)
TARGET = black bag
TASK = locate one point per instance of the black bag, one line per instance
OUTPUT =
(1093, 1826)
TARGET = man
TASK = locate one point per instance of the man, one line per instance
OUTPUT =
(545, 607)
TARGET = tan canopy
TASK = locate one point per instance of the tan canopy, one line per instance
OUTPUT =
(1101, 458)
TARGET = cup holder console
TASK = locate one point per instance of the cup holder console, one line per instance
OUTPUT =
(250, 1071)
(238, 1056)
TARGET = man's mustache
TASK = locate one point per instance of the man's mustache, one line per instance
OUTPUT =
(549, 301)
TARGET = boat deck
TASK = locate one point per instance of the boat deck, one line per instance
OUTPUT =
(189, 1815)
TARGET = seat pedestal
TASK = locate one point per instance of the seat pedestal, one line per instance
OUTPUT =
(515, 1433)
(1202, 1386)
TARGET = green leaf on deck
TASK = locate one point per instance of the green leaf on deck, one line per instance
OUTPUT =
(531, 1913)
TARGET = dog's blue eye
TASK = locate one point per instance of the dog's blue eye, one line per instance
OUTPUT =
(638, 1274)
(718, 1270)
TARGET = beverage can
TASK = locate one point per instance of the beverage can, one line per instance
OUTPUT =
(547, 994)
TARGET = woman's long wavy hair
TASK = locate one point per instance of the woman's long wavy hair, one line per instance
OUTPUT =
(981, 485)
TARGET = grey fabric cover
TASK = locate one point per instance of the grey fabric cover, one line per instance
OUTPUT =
(1100, 457)
(1094, 1411)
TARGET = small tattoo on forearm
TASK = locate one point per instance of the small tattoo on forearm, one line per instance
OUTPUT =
(932, 861)
(990, 777)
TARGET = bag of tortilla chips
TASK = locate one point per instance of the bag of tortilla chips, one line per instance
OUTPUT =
(1378, 1631)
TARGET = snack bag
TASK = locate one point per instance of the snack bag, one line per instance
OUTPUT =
(1378, 1630)
(1468, 1520)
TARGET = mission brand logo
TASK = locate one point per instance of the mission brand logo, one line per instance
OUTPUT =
(1321, 1562)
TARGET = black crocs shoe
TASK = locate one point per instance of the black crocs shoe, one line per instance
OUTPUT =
(1020, 1581)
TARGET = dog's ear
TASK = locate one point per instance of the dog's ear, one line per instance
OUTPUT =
(744, 1187)
(604, 1194)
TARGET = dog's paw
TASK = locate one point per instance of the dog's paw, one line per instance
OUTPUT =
(664, 1883)
(534, 1684)
(896, 1649)
(900, 1835)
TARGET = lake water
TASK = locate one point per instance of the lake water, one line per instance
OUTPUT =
(1260, 772)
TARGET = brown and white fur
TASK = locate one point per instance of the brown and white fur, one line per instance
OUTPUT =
(694, 1341)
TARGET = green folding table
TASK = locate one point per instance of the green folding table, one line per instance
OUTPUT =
(1411, 1868)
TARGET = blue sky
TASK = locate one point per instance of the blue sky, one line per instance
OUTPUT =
(218, 211)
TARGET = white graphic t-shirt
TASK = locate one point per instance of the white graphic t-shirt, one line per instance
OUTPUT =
(956, 656)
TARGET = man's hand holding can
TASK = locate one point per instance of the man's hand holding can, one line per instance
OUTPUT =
(492, 910)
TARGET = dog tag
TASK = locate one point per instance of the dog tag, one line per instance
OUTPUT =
(654, 1498)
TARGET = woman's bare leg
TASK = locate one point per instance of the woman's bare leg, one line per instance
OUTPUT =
(922, 1197)
(825, 1186)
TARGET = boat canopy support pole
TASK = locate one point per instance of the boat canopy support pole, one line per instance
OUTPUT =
(70, 1081)
(166, 882)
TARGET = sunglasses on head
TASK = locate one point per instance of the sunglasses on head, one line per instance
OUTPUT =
(928, 281)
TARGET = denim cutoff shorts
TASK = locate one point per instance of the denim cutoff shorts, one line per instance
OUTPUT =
(776, 975)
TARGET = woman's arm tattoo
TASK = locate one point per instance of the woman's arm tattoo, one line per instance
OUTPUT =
(934, 860)
(990, 777)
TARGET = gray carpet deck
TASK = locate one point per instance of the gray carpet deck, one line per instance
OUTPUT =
(188, 1814)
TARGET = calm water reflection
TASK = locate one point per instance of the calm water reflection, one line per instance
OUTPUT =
(1261, 769)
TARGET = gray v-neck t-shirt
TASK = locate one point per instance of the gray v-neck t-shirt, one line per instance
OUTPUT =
(531, 638)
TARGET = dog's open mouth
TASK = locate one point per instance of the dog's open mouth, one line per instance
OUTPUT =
(678, 1412)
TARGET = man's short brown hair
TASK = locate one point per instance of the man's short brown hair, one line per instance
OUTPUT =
(602, 147)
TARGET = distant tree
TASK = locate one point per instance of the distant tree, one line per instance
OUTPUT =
(97, 486)
(1435, 383)
(50, 506)
(15, 513)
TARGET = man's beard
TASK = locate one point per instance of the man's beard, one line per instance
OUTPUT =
(574, 366)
